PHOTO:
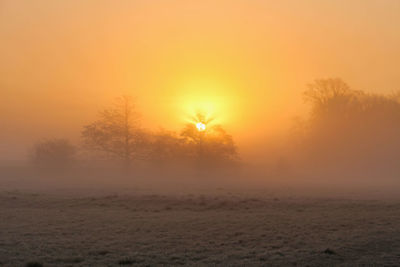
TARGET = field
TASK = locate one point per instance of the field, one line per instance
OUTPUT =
(221, 228)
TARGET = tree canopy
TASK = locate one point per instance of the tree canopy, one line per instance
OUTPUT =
(117, 132)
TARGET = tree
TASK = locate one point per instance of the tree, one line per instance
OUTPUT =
(211, 144)
(321, 91)
(330, 97)
(117, 132)
(350, 127)
(166, 147)
(57, 153)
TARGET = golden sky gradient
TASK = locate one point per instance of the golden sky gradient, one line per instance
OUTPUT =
(245, 61)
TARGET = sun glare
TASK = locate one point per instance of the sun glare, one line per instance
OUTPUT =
(200, 126)
(208, 97)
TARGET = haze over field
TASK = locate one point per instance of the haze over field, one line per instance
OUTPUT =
(170, 132)
(246, 61)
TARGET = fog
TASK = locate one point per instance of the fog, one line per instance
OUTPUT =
(199, 133)
(260, 76)
(347, 146)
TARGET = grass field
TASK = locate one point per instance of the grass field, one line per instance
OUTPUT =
(193, 229)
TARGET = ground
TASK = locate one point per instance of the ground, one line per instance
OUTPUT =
(193, 229)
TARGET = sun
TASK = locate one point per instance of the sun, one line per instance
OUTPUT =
(200, 126)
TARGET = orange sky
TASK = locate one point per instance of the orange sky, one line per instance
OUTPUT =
(247, 61)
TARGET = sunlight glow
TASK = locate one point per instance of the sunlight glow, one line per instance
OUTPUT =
(200, 126)
(208, 97)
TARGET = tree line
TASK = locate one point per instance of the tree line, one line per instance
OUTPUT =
(349, 129)
(346, 129)
(117, 135)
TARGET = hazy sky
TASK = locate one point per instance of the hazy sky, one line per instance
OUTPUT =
(245, 61)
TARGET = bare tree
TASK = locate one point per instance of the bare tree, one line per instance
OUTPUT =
(54, 153)
(331, 97)
(117, 132)
(321, 91)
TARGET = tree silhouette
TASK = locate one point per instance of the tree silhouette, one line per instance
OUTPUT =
(212, 144)
(117, 132)
(165, 147)
(350, 127)
(54, 153)
(331, 98)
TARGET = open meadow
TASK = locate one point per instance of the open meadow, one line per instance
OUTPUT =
(221, 228)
